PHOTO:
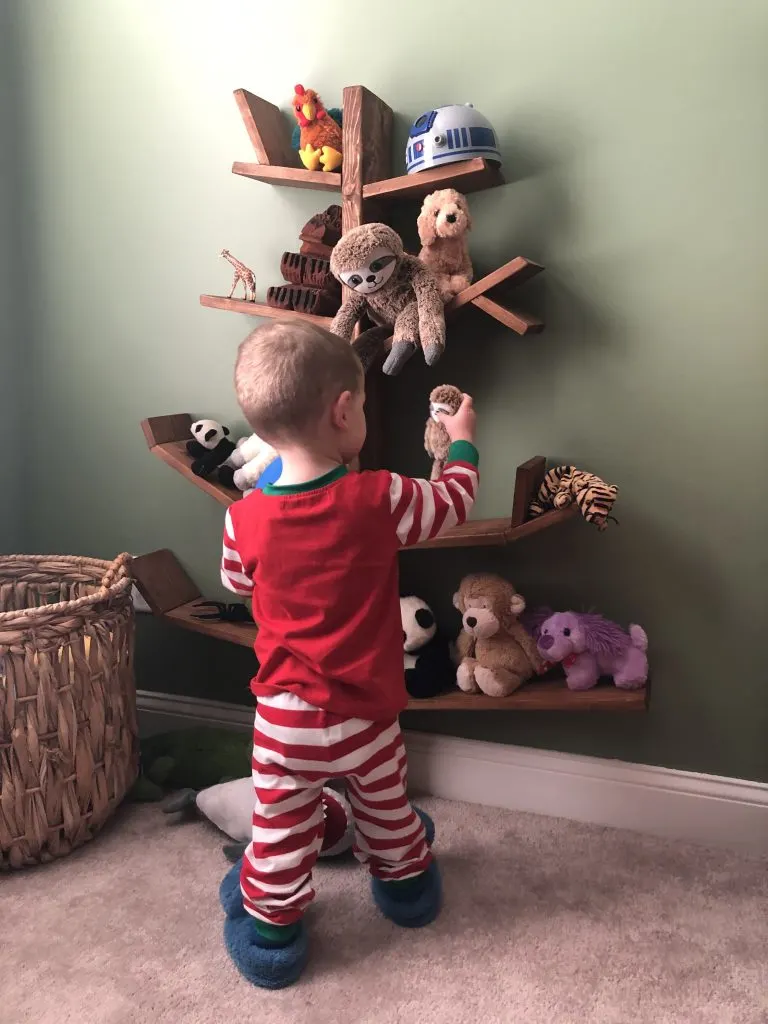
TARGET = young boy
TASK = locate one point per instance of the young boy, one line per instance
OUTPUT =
(317, 552)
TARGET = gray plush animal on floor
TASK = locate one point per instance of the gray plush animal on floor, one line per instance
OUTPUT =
(397, 293)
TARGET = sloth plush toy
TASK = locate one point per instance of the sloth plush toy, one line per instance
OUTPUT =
(395, 291)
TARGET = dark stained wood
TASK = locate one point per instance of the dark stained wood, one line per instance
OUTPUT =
(550, 695)
(292, 177)
(173, 596)
(367, 132)
(268, 130)
(242, 633)
(466, 176)
(527, 482)
(160, 429)
(259, 309)
(515, 272)
(162, 581)
(476, 533)
(520, 323)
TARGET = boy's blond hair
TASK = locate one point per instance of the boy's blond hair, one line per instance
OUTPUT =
(288, 372)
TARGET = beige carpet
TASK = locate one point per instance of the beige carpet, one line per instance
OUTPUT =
(545, 922)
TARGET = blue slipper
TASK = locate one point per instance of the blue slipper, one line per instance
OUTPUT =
(411, 913)
(429, 825)
(267, 967)
(230, 897)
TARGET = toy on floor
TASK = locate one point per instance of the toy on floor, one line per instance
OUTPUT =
(447, 134)
(563, 485)
(395, 290)
(320, 139)
(426, 652)
(195, 758)
(229, 806)
(444, 398)
(497, 654)
(443, 225)
(211, 450)
(590, 646)
(243, 275)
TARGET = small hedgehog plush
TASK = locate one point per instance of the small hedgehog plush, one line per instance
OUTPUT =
(444, 398)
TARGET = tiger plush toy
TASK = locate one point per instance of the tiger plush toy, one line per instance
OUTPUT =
(563, 485)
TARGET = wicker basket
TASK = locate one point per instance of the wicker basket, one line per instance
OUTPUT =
(68, 738)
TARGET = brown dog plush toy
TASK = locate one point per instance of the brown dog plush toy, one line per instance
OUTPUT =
(395, 290)
(444, 398)
(443, 225)
(497, 653)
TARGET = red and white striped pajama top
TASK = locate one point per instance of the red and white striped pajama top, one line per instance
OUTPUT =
(320, 563)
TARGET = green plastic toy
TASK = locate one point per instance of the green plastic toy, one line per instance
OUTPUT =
(193, 758)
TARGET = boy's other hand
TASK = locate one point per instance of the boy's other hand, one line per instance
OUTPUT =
(461, 426)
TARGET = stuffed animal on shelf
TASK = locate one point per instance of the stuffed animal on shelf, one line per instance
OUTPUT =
(229, 806)
(497, 654)
(444, 398)
(426, 653)
(443, 225)
(590, 646)
(211, 449)
(248, 463)
(395, 290)
(563, 485)
(320, 139)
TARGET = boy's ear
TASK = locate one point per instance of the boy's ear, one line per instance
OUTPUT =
(340, 409)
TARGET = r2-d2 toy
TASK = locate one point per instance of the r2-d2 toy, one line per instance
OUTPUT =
(448, 134)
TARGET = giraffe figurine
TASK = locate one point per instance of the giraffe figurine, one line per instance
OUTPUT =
(242, 274)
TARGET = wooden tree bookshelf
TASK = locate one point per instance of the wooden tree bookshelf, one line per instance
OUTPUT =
(366, 192)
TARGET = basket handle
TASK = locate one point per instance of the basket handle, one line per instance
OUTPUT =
(119, 567)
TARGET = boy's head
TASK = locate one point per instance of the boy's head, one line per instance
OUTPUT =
(298, 384)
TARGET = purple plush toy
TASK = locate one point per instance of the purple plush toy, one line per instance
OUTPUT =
(590, 646)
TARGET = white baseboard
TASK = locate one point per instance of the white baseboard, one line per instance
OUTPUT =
(709, 809)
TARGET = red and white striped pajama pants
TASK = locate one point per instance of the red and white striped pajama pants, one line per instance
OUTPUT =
(297, 748)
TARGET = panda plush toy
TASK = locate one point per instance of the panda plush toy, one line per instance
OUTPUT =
(426, 653)
(211, 449)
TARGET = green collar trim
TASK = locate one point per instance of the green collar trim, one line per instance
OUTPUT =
(275, 490)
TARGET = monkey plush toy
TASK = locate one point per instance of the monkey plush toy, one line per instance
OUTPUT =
(444, 398)
(395, 291)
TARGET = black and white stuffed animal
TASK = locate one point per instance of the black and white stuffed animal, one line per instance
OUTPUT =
(426, 653)
(211, 449)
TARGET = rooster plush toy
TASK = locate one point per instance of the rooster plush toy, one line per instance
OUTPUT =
(319, 142)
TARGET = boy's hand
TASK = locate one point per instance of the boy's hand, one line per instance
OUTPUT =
(461, 426)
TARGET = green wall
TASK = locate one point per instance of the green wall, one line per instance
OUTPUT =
(635, 150)
(16, 425)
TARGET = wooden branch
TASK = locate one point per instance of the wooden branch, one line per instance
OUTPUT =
(293, 177)
(539, 695)
(515, 272)
(521, 323)
(267, 129)
(162, 581)
(465, 175)
(260, 309)
(527, 482)
(366, 131)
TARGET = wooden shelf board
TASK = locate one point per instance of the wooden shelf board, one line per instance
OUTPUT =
(260, 309)
(521, 323)
(292, 177)
(466, 176)
(496, 532)
(174, 454)
(242, 633)
(515, 272)
(548, 695)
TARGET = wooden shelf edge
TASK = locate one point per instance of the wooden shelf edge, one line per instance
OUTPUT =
(173, 596)
(260, 309)
(550, 695)
(495, 532)
(291, 177)
(166, 438)
(465, 175)
(515, 272)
